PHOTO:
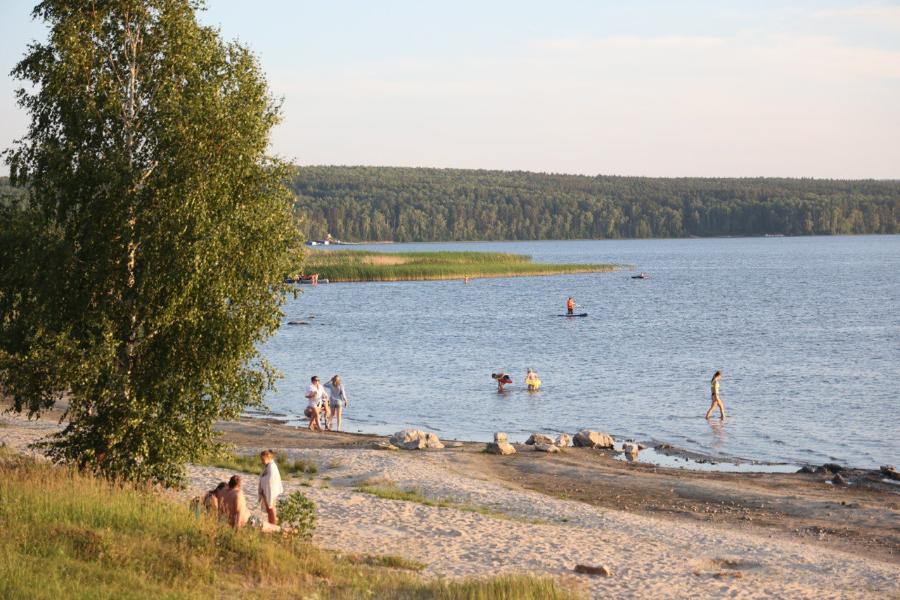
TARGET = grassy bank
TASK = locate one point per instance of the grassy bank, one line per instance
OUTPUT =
(353, 265)
(71, 536)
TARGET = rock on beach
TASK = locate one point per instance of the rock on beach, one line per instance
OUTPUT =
(414, 439)
(587, 438)
(500, 445)
(538, 438)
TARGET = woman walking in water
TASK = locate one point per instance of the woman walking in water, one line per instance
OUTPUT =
(337, 400)
(714, 393)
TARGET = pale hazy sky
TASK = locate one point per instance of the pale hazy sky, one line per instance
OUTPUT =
(713, 88)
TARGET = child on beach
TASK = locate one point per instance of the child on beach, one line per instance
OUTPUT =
(714, 393)
(270, 486)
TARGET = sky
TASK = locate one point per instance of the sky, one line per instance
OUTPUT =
(658, 88)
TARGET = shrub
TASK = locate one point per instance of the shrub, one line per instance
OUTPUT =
(298, 514)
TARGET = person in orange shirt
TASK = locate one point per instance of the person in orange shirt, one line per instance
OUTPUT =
(570, 306)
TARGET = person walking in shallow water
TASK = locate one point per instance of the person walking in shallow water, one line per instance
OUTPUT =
(714, 396)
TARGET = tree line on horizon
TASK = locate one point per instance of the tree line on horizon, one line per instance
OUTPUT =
(424, 204)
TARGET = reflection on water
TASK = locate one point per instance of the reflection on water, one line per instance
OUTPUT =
(805, 330)
(717, 426)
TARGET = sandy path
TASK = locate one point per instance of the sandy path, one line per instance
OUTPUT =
(650, 557)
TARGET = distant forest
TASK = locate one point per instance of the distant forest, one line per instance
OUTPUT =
(408, 204)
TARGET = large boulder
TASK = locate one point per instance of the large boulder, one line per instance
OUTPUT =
(587, 438)
(500, 445)
(537, 438)
(563, 440)
(414, 439)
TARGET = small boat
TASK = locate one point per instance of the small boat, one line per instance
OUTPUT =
(640, 276)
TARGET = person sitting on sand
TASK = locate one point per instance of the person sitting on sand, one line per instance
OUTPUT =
(314, 395)
(570, 306)
(235, 503)
(714, 393)
(212, 501)
(337, 400)
(502, 380)
(532, 381)
(269, 485)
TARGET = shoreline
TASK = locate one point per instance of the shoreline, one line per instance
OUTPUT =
(658, 453)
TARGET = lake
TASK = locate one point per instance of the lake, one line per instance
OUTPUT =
(805, 330)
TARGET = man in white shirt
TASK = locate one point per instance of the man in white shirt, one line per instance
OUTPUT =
(314, 394)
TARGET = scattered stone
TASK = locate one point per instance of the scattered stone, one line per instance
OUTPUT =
(414, 439)
(547, 448)
(630, 448)
(890, 472)
(297, 323)
(838, 479)
(592, 439)
(453, 444)
(602, 570)
(500, 445)
(563, 440)
(383, 446)
(504, 448)
(806, 469)
(538, 438)
(832, 467)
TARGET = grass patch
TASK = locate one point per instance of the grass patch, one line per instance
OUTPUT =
(250, 464)
(388, 560)
(359, 265)
(388, 491)
(67, 535)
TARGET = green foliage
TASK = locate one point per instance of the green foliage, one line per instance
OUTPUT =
(406, 204)
(250, 464)
(297, 514)
(150, 258)
(357, 265)
(67, 535)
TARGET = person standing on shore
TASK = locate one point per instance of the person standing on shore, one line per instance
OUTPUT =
(714, 393)
(314, 395)
(337, 400)
(270, 486)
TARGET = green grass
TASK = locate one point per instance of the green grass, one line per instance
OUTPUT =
(356, 265)
(388, 491)
(67, 535)
(250, 464)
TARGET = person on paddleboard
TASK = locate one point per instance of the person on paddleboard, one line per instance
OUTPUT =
(570, 306)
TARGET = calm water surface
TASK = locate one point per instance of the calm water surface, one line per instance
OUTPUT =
(805, 330)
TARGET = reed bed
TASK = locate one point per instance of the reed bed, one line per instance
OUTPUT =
(68, 535)
(356, 265)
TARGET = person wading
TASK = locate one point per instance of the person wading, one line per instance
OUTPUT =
(714, 394)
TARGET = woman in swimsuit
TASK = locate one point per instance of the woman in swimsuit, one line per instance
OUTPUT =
(714, 394)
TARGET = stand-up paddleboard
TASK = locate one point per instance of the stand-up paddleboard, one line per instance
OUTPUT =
(575, 315)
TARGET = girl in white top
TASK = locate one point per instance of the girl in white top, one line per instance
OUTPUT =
(270, 486)
(337, 401)
(314, 394)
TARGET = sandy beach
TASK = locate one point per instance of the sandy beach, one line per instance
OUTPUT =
(663, 533)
